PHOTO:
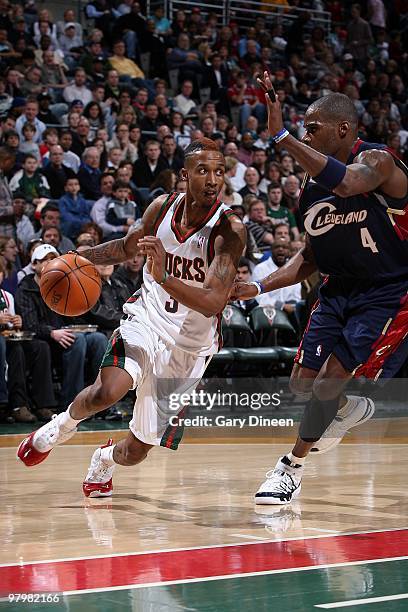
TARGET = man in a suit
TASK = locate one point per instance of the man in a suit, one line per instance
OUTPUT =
(216, 77)
(146, 169)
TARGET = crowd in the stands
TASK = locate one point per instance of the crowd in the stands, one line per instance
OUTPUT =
(95, 115)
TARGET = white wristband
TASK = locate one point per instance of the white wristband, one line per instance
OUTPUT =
(258, 286)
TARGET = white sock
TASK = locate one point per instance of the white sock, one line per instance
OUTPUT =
(107, 455)
(296, 460)
(67, 421)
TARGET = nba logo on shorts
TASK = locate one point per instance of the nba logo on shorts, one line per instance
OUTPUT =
(319, 350)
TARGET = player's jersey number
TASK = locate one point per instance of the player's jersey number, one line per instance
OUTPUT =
(367, 240)
(171, 305)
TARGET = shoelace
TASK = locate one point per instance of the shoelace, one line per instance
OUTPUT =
(283, 481)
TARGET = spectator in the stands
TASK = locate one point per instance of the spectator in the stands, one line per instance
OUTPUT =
(107, 312)
(31, 114)
(28, 269)
(51, 217)
(245, 151)
(260, 225)
(186, 59)
(251, 187)
(281, 231)
(145, 170)
(121, 139)
(30, 181)
(89, 174)
(128, 277)
(277, 211)
(121, 212)
(243, 275)
(52, 236)
(56, 172)
(75, 210)
(124, 66)
(183, 102)
(281, 299)
(8, 254)
(259, 161)
(78, 89)
(81, 136)
(359, 35)
(31, 358)
(70, 349)
(237, 178)
(98, 212)
(69, 159)
(23, 226)
(172, 154)
(27, 145)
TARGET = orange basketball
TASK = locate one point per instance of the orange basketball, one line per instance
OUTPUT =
(70, 284)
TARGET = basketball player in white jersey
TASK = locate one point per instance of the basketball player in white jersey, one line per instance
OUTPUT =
(169, 332)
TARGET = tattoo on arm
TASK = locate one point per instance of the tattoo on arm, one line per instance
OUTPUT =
(232, 244)
(112, 252)
(223, 270)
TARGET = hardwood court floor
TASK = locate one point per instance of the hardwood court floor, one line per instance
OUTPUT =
(200, 498)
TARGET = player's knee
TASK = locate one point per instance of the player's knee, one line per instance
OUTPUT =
(326, 389)
(302, 387)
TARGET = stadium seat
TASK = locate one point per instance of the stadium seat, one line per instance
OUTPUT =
(235, 328)
(272, 327)
(256, 361)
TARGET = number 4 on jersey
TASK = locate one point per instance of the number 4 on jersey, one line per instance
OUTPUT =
(367, 240)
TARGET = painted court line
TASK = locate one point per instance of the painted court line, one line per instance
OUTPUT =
(208, 564)
(223, 577)
(361, 602)
(244, 536)
(192, 548)
(321, 530)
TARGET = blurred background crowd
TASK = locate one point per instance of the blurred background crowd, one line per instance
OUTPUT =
(96, 108)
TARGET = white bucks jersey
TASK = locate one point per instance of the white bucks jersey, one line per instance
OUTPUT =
(188, 258)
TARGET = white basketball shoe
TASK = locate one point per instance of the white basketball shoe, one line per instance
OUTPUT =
(282, 484)
(98, 481)
(355, 412)
(38, 445)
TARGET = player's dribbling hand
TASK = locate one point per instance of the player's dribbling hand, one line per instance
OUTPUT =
(275, 123)
(153, 248)
(243, 291)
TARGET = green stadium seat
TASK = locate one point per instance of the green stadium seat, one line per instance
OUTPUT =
(272, 327)
(236, 331)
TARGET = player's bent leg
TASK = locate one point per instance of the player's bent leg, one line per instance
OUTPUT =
(351, 410)
(110, 386)
(129, 451)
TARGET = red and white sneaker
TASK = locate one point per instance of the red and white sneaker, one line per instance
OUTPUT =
(34, 449)
(98, 481)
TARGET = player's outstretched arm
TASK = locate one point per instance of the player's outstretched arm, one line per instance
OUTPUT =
(213, 296)
(117, 251)
(297, 269)
(372, 169)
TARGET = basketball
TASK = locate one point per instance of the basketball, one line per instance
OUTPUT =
(70, 285)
